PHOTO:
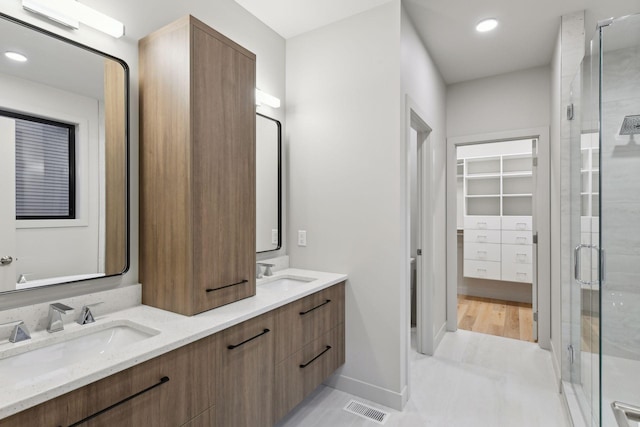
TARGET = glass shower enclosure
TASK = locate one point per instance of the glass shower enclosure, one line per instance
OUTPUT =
(603, 363)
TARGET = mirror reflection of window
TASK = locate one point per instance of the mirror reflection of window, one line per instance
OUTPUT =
(44, 168)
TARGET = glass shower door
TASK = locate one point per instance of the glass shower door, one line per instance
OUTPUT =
(584, 289)
(620, 218)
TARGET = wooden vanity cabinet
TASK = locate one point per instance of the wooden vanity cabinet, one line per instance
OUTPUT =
(169, 390)
(309, 346)
(246, 357)
(197, 161)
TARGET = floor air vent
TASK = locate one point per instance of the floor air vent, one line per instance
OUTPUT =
(365, 411)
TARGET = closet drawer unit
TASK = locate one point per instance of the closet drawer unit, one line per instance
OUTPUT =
(517, 254)
(517, 237)
(518, 223)
(302, 372)
(307, 319)
(481, 236)
(517, 272)
(482, 269)
(474, 222)
(482, 251)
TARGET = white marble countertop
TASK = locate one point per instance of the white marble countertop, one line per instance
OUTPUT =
(174, 331)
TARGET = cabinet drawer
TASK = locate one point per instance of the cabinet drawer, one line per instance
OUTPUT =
(301, 373)
(168, 390)
(474, 222)
(482, 269)
(517, 272)
(518, 223)
(517, 237)
(246, 373)
(482, 251)
(517, 254)
(482, 236)
(307, 319)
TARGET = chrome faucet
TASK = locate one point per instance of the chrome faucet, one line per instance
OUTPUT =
(56, 310)
(19, 332)
(86, 316)
(267, 269)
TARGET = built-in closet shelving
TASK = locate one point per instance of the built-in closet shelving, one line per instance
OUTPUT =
(590, 202)
(498, 195)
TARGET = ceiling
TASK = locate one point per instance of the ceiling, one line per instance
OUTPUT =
(524, 39)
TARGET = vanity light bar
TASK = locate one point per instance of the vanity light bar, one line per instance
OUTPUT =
(71, 13)
(266, 99)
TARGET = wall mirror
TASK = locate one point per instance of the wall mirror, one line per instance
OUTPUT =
(268, 184)
(64, 175)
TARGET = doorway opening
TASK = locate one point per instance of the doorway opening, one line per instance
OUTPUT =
(420, 234)
(496, 290)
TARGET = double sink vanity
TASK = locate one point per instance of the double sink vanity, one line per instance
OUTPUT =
(204, 340)
(244, 364)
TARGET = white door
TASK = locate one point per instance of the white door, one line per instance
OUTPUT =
(7, 204)
(534, 200)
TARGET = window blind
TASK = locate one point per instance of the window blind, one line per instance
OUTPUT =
(44, 170)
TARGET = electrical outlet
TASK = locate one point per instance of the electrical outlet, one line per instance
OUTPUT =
(302, 238)
(274, 236)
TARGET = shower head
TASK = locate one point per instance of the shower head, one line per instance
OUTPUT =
(630, 125)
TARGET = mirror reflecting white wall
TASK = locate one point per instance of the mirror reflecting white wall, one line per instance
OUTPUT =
(268, 184)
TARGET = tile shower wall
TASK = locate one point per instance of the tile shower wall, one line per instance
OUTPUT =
(620, 228)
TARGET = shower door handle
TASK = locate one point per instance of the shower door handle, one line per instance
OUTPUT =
(577, 271)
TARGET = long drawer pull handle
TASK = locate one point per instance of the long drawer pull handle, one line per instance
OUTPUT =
(304, 365)
(302, 313)
(232, 346)
(228, 286)
(133, 396)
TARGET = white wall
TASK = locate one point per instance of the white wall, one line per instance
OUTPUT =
(518, 100)
(140, 18)
(424, 85)
(345, 185)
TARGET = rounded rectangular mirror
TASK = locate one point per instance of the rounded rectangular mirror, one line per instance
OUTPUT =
(268, 184)
(64, 175)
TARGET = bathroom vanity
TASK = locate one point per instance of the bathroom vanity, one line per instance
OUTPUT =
(245, 364)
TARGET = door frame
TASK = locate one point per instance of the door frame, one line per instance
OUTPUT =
(543, 218)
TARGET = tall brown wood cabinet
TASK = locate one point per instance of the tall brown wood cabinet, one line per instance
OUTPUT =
(197, 138)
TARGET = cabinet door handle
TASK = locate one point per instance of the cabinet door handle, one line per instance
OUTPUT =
(304, 365)
(302, 313)
(232, 346)
(228, 286)
(133, 396)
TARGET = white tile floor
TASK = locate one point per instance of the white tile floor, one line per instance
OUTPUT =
(474, 380)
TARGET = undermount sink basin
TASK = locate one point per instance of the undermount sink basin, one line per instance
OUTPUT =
(285, 283)
(54, 357)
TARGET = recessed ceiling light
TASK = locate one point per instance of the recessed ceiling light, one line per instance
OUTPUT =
(16, 56)
(486, 25)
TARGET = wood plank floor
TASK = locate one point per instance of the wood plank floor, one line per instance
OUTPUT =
(495, 317)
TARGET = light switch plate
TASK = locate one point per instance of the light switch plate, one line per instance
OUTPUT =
(302, 238)
(274, 236)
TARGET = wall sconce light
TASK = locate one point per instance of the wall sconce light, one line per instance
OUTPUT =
(71, 13)
(266, 99)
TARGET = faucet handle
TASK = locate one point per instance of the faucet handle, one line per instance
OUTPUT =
(86, 316)
(20, 331)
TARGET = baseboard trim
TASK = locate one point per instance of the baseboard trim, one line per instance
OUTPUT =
(380, 395)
